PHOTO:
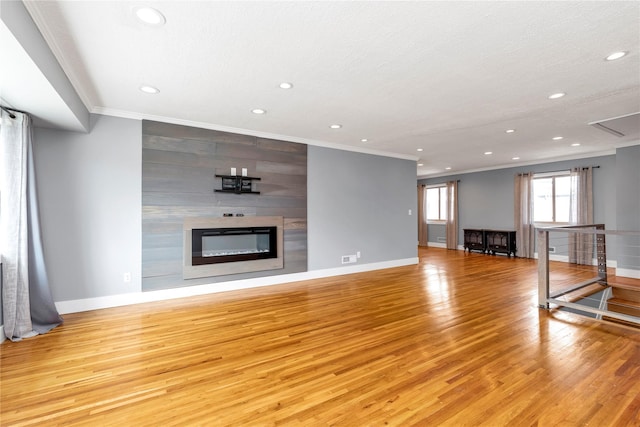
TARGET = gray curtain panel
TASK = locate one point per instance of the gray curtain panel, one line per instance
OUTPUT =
(452, 215)
(423, 236)
(523, 215)
(27, 304)
(581, 245)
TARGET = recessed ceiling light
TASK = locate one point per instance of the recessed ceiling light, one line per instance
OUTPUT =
(557, 138)
(486, 153)
(510, 130)
(419, 149)
(448, 168)
(150, 16)
(335, 126)
(575, 144)
(258, 111)
(515, 158)
(557, 95)
(615, 55)
(149, 89)
(285, 85)
(364, 140)
(420, 164)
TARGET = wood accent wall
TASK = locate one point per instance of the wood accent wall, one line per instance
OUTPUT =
(179, 164)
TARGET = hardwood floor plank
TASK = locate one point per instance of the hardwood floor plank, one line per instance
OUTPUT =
(455, 340)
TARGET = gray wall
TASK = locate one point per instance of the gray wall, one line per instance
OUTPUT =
(89, 190)
(360, 202)
(90, 202)
(486, 198)
(628, 204)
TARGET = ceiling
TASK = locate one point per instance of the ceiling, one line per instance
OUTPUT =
(448, 78)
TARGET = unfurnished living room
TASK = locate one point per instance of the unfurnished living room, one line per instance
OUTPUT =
(312, 213)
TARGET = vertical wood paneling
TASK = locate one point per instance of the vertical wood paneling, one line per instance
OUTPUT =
(179, 164)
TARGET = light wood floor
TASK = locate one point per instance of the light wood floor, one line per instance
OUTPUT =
(455, 340)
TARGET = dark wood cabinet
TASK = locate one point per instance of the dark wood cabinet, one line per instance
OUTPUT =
(500, 241)
(474, 240)
(490, 241)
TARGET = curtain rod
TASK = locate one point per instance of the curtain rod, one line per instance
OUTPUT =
(10, 111)
(562, 170)
(13, 116)
(437, 185)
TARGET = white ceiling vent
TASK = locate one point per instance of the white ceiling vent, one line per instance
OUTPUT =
(620, 126)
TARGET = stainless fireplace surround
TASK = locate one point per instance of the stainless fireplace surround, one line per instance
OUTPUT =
(192, 269)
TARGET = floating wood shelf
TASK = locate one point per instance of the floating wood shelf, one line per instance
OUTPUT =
(237, 184)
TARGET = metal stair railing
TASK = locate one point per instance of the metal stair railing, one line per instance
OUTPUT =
(628, 247)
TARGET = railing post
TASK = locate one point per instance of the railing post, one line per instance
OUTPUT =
(543, 268)
(601, 254)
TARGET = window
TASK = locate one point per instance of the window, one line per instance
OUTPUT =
(551, 197)
(437, 203)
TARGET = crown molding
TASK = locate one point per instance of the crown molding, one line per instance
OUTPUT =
(204, 125)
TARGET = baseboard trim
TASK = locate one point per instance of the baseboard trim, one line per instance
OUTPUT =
(628, 272)
(2, 335)
(560, 258)
(443, 245)
(96, 303)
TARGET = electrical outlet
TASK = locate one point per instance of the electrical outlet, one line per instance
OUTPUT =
(409, 212)
(358, 254)
(126, 277)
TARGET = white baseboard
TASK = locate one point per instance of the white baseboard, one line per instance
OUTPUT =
(560, 258)
(628, 272)
(443, 245)
(552, 257)
(75, 306)
(2, 335)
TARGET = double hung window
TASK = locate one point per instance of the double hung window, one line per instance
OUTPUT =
(437, 203)
(552, 197)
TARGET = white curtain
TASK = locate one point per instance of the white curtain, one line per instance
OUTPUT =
(523, 215)
(27, 304)
(452, 215)
(581, 213)
(423, 235)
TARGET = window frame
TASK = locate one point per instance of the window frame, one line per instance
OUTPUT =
(441, 220)
(553, 175)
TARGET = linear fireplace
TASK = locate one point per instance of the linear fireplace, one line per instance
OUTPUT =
(216, 245)
(231, 245)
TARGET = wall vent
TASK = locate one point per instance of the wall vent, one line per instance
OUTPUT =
(627, 125)
(349, 259)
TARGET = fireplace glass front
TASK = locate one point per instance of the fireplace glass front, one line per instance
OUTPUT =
(218, 245)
